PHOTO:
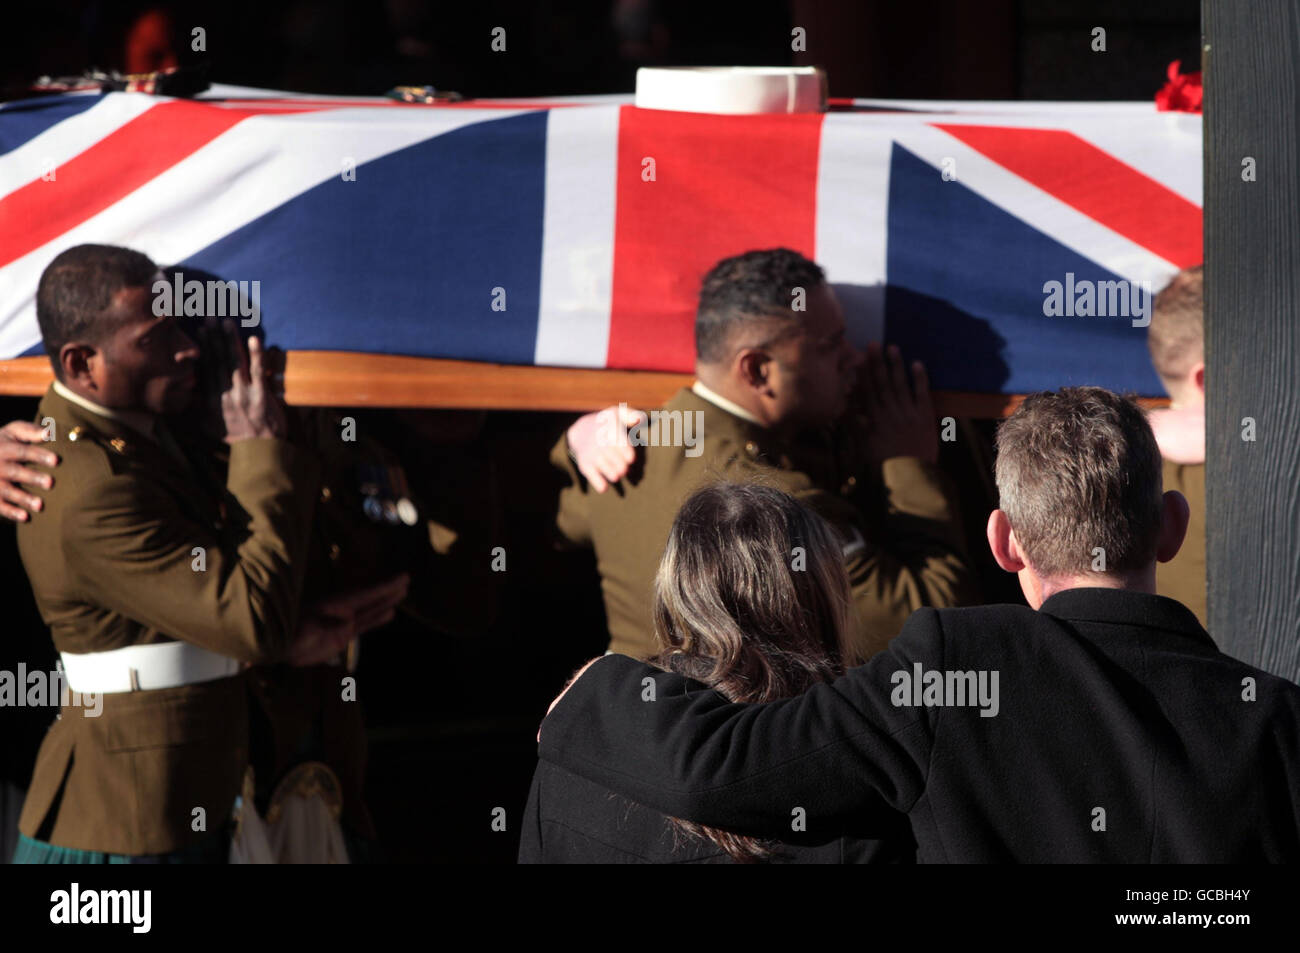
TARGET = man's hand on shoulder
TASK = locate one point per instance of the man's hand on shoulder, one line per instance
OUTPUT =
(901, 414)
(19, 444)
(599, 446)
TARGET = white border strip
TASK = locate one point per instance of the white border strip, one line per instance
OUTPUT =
(853, 220)
(578, 237)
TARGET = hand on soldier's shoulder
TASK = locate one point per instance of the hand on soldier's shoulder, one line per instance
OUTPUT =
(599, 445)
(20, 444)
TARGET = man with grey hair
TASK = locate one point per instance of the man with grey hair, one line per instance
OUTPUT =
(1079, 488)
(1100, 724)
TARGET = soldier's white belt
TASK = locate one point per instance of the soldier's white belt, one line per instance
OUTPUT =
(144, 668)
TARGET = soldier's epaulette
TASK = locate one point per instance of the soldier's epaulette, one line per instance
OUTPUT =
(114, 445)
(760, 454)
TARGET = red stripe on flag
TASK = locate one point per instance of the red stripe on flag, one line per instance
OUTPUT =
(111, 169)
(1097, 184)
(722, 185)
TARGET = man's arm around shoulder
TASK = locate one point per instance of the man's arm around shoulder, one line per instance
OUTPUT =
(837, 751)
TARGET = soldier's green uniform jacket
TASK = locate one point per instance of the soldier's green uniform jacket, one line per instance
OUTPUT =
(112, 563)
(903, 545)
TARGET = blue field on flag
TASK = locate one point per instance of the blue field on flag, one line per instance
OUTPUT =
(426, 233)
(965, 291)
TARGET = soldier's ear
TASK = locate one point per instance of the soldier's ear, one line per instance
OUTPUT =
(74, 361)
(752, 367)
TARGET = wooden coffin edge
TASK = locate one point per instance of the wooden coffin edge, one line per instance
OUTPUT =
(349, 379)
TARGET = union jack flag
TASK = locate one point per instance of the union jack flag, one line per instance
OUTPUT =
(574, 232)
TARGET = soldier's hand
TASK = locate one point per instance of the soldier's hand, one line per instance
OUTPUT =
(901, 421)
(599, 445)
(329, 625)
(249, 405)
(20, 443)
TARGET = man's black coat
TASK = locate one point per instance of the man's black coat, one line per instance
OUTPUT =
(1121, 734)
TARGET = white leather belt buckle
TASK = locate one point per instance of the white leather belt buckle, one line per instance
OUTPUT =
(144, 668)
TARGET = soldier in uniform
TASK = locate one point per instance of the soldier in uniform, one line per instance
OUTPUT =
(769, 404)
(307, 741)
(308, 728)
(151, 596)
(372, 530)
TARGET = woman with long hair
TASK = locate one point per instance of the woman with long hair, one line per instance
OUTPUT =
(750, 598)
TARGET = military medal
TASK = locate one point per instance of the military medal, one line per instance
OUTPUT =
(387, 499)
(406, 510)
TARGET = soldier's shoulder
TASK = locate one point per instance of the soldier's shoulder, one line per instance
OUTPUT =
(717, 445)
(755, 459)
(84, 470)
(94, 465)
(710, 435)
(84, 448)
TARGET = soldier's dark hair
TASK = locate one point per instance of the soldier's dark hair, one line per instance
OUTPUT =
(78, 286)
(1078, 469)
(755, 286)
